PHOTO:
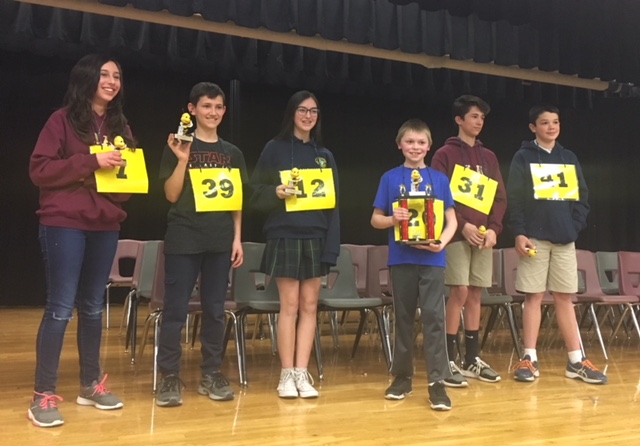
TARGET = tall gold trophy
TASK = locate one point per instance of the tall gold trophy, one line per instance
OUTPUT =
(414, 233)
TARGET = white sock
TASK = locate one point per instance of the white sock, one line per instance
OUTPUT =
(532, 354)
(575, 356)
(300, 369)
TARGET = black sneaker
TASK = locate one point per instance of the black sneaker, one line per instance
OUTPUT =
(585, 371)
(216, 386)
(170, 392)
(438, 397)
(399, 388)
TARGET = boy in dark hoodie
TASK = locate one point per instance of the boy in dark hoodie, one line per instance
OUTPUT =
(548, 207)
(481, 202)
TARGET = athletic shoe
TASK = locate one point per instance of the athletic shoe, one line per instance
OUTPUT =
(585, 371)
(43, 411)
(287, 385)
(480, 370)
(399, 388)
(304, 383)
(438, 397)
(216, 386)
(526, 370)
(99, 396)
(170, 391)
(456, 379)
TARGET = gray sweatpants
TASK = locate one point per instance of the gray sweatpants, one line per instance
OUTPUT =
(416, 286)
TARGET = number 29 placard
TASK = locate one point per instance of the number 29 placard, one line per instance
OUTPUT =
(316, 190)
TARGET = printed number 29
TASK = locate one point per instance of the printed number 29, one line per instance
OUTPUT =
(226, 188)
(466, 188)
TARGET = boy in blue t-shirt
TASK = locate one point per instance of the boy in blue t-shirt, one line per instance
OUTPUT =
(417, 271)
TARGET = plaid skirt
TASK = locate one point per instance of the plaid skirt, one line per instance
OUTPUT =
(294, 258)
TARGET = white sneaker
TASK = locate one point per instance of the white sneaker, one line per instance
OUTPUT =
(287, 386)
(304, 383)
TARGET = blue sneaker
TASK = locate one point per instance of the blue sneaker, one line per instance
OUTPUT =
(526, 370)
(585, 371)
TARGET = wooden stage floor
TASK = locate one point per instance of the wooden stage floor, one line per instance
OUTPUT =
(351, 409)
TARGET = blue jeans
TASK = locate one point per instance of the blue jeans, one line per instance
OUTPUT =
(181, 273)
(77, 266)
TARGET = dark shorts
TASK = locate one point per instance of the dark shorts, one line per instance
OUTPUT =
(294, 258)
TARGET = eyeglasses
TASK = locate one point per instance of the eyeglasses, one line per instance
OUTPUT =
(302, 111)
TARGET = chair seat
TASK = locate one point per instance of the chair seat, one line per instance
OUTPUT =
(351, 304)
(261, 305)
(496, 299)
(614, 300)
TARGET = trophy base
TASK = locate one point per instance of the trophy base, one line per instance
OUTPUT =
(292, 191)
(184, 138)
(420, 242)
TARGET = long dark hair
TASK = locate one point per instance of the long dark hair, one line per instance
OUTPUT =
(83, 84)
(286, 129)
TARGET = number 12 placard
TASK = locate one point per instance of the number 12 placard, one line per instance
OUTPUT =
(317, 190)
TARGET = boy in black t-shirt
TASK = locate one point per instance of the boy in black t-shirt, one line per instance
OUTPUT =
(203, 180)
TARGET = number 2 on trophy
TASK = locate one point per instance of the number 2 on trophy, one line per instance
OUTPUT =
(318, 191)
(466, 188)
(413, 218)
(226, 188)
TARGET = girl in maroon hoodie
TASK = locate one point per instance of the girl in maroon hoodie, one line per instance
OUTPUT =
(78, 230)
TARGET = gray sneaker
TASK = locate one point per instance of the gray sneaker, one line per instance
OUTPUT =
(43, 411)
(216, 386)
(170, 391)
(99, 396)
(456, 379)
(480, 370)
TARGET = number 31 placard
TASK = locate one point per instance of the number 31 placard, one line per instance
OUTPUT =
(317, 190)
(216, 189)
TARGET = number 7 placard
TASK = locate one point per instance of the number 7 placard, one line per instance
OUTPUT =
(128, 179)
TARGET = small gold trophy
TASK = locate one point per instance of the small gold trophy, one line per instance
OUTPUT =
(428, 237)
(185, 129)
(483, 233)
(292, 186)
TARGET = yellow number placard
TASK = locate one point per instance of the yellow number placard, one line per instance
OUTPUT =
(317, 190)
(473, 189)
(216, 189)
(417, 225)
(129, 179)
(555, 182)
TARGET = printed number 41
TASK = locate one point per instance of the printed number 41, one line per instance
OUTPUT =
(549, 178)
